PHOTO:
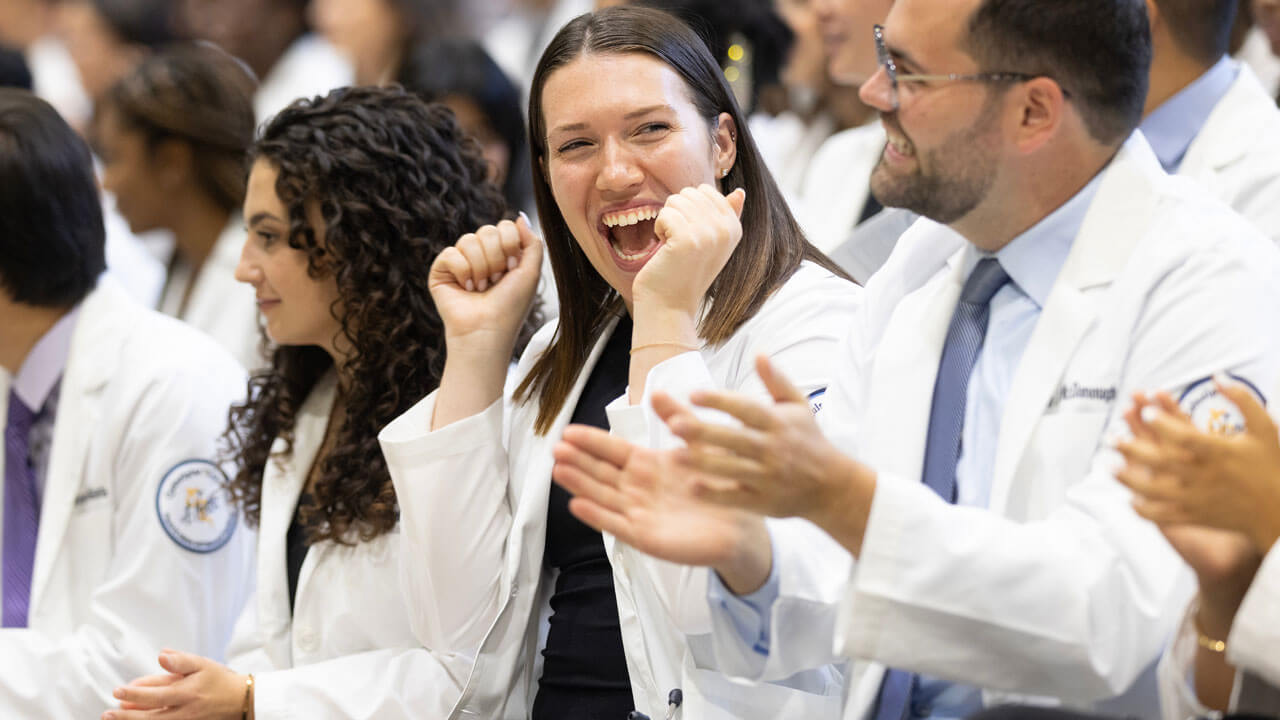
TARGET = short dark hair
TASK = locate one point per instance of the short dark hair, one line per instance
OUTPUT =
(1097, 50)
(14, 72)
(51, 236)
(150, 23)
(1200, 28)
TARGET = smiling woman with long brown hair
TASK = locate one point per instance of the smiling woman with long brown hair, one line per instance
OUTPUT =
(673, 250)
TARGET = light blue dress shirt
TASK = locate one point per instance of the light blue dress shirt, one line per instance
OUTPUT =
(1033, 261)
(37, 384)
(1173, 126)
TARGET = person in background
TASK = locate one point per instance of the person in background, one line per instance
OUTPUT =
(349, 197)
(272, 38)
(1261, 47)
(640, 191)
(517, 31)
(108, 38)
(1207, 117)
(379, 35)
(119, 534)
(31, 27)
(13, 69)
(172, 136)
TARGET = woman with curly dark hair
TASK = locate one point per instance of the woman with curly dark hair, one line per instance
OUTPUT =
(350, 199)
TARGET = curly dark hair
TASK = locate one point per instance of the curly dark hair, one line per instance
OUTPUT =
(396, 184)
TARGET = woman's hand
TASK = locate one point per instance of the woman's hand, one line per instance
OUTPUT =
(1182, 476)
(195, 688)
(484, 285)
(699, 229)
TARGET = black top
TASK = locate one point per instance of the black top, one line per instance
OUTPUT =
(584, 673)
(295, 546)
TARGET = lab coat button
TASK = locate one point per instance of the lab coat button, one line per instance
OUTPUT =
(307, 640)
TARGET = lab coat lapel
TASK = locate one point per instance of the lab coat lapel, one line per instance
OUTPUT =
(905, 369)
(1118, 217)
(1231, 129)
(282, 482)
(78, 417)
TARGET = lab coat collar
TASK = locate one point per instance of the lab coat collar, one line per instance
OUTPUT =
(1245, 114)
(46, 361)
(1173, 126)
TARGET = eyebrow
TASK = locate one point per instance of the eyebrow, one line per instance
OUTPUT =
(901, 55)
(259, 217)
(574, 127)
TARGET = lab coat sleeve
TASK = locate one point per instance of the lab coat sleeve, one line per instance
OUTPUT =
(799, 331)
(1255, 634)
(1079, 603)
(455, 517)
(155, 593)
(388, 684)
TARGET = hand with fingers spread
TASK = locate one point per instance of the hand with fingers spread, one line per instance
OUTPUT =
(483, 288)
(635, 493)
(778, 463)
(193, 688)
(1183, 476)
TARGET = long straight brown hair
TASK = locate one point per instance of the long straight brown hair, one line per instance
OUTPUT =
(772, 245)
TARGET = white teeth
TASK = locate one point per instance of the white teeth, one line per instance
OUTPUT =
(629, 217)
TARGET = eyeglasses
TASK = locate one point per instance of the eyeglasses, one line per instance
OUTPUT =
(891, 69)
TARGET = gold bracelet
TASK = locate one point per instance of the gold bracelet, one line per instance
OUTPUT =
(646, 346)
(1206, 642)
(246, 710)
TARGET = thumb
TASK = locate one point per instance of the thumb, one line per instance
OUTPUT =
(1256, 419)
(530, 244)
(737, 199)
(779, 387)
(180, 663)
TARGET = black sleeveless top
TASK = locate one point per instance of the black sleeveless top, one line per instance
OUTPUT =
(584, 672)
(295, 546)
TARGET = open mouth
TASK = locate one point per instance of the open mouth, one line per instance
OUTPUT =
(631, 235)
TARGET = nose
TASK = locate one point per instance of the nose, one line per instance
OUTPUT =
(248, 270)
(619, 171)
(876, 91)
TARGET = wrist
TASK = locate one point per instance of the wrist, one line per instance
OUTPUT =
(1214, 615)
(750, 562)
(658, 310)
(843, 509)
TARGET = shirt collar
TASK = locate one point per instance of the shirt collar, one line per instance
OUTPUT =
(1034, 258)
(1174, 125)
(46, 361)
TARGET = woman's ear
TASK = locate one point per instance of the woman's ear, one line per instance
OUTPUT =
(173, 163)
(726, 139)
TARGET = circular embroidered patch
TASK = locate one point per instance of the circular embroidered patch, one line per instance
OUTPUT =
(195, 506)
(1210, 411)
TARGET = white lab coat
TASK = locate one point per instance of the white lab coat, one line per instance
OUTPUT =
(1237, 153)
(473, 499)
(1251, 647)
(347, 650)
(835, 188)
(311, 66)
(219, 306)
(1058, 589)
(140, 395)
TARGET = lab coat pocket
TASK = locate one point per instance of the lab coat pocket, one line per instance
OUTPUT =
(711, 695)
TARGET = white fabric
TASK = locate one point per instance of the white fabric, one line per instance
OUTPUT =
(1237, 153)
(789, 145)
(473, 499)
(141, 393)
(834, 191)
(347, 650)
(1059, 593)
(1256, 52)
(310, 67)
(219, 305)
(54, 79)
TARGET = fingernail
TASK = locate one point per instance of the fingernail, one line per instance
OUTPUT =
(470, 286)
(494, 278)
(1150, 413)
(511, 263)
(484, 284)
(526, 219)
(118, 693)
(1221, 378)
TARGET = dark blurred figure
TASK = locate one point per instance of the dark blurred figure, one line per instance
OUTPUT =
(108, 38)
(379, 35)
(272, 37)
(460, 74)
(13, 69)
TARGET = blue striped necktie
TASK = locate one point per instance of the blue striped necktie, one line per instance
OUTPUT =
(946, 422)
(21, 513)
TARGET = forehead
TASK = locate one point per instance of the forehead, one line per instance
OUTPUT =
(597, 87)
(260, 195)
(931, 32)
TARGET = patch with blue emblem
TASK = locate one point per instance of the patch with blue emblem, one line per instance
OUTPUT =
(195, 507)
(1210, 411)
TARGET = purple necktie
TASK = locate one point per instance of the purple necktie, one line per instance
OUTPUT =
(21, 513)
